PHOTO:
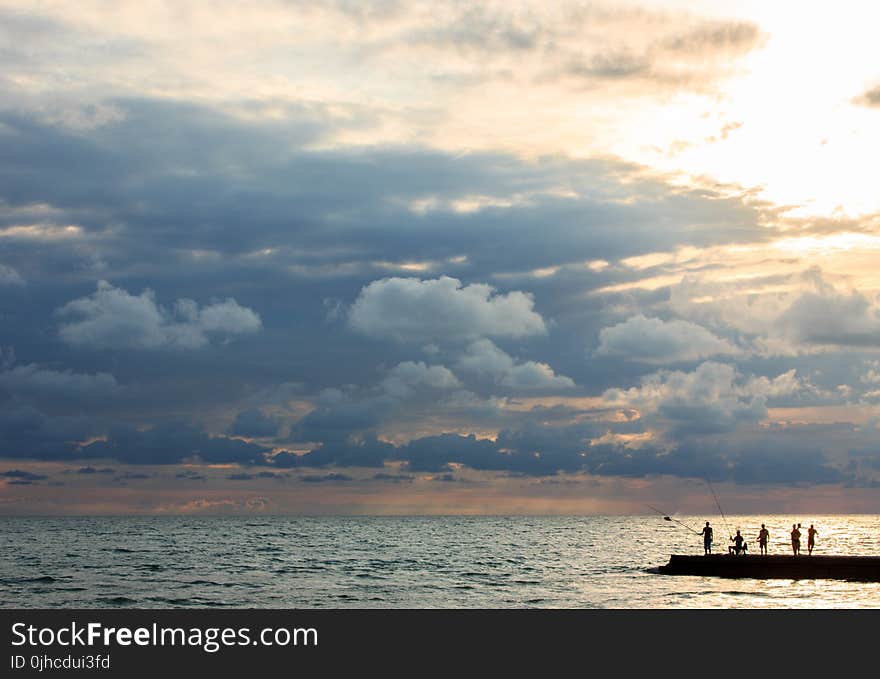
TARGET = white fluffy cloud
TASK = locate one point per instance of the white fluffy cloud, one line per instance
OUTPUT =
(653, 340)
(712, 398)
(113, 318)
(410, 309)
(405, 377)
(483, 357)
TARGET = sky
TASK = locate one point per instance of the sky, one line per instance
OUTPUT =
(401, 257)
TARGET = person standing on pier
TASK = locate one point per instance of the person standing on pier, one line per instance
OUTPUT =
(763, 538)
(811, 539)
(795, 539)
(707, 538)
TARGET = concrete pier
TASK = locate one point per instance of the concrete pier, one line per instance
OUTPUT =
(802, 567)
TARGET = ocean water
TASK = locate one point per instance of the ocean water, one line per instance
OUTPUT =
(404, 562)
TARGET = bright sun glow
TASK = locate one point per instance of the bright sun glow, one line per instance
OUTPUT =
(789, 122)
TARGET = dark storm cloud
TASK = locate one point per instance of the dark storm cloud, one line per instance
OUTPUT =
(546, 451)
(332, 422)
(244, 476)
(393, 478)
(133, 476)
(254, 424)
(26, 432)
(325, 478)
(94, 470)
(450, 478)
(805, 455)
(190, 475)
(367, 451)
(777, 463)
(534, 450)
(170, 443)
(22, 475)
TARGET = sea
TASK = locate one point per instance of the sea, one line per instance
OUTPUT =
(424, 562)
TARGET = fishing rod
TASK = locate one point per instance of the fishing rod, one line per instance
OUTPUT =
(718, 504)
(666, 517)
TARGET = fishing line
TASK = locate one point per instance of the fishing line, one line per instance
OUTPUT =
(718, 504)
(666, 517)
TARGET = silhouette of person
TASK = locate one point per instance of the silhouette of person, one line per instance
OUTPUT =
(763, 538)
(811, 538)
(795, 540)
(738, 546)
(707, 538)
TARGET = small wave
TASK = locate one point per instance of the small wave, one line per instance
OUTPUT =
(210, 583)
(177, 601)
(120, 600)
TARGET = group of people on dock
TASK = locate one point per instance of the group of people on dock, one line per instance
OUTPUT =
(796, 538)
(740, 546)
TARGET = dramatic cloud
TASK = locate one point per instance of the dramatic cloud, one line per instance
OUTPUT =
(484, 358)
(414, 310)
(393, 243)
(111, 318)
(653, 340)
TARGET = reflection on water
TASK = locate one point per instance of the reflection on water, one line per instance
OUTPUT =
(412, 562)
